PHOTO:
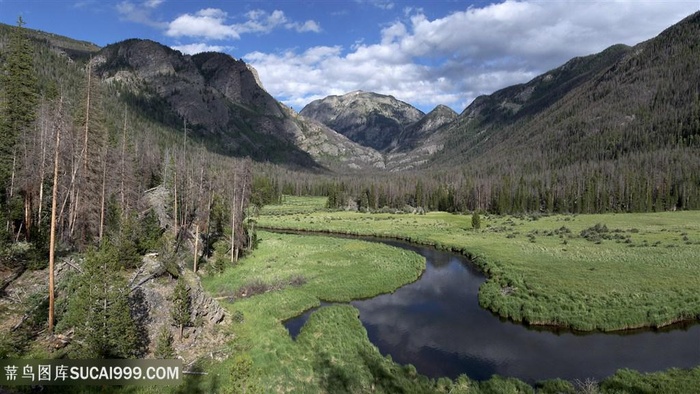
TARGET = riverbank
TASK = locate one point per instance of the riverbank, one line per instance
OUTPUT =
(334, 343)
(584, 272)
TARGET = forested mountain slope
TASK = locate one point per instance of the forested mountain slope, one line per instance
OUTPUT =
(617, 130)
(88, 185)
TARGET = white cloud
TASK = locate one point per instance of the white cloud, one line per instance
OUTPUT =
(453, 59)
(191, 49)
(261, 22)
(207, 23)
(213, 24)
(308, 26)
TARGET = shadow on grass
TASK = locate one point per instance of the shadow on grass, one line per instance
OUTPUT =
(384, 380)
(198, 384)
(333, 379)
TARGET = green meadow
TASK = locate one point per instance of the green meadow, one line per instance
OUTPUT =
(587, 272)
(288, 274)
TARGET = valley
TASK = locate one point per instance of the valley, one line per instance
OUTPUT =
(162, 205)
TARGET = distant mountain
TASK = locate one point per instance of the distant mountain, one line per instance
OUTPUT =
(420, 141)
(419, 133)
(223, 105)
(370, 119)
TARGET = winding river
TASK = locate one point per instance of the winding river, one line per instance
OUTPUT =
(437, 325)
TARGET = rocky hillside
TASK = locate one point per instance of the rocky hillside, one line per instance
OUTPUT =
(370, 119)
(224, 106)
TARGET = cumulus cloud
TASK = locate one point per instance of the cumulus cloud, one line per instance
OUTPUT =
(453, 59)
(208, 23)
(214, 24)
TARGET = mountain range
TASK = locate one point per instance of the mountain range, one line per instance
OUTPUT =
(603, 106)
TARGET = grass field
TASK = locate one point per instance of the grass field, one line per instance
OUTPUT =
(588, 272)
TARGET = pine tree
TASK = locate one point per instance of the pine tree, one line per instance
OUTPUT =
(99, 309)
(476, 221)
(19, 84)
(164, 344)
(180, 311)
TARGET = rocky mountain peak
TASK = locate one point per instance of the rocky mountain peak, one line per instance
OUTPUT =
(371, 119)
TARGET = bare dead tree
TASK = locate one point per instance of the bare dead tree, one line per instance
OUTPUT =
(52, 237)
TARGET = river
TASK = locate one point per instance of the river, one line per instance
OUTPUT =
(437, 325)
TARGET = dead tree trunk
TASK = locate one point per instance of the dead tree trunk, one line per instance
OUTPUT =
(196, 245)
(233, 222)
(52, 239)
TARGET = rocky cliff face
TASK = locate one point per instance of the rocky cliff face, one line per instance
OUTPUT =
(224, 105)
(237, 81)
(370, 119)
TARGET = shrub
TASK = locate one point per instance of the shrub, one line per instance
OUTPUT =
(555, 386)
(596, 233)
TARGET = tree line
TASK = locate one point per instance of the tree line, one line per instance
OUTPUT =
(662, 180)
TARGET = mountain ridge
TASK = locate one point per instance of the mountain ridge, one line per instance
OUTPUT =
(223, 103)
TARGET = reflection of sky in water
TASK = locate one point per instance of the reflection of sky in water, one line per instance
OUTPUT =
(437, 325)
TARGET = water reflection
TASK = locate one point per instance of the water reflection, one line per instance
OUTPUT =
(437, 325)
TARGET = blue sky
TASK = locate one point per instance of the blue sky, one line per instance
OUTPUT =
(423, 52)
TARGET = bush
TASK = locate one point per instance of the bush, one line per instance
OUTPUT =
(242, 375)
(555, 386)
(596, 233)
